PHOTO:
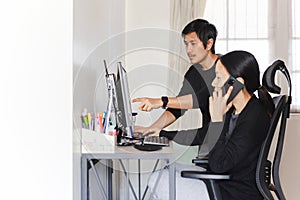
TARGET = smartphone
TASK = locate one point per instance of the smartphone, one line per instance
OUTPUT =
(237, 87)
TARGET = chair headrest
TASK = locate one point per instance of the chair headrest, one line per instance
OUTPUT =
(269, 76)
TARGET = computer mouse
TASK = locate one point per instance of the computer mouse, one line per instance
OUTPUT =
(147, 147)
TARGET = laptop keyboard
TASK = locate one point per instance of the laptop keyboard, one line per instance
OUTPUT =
(156, 140)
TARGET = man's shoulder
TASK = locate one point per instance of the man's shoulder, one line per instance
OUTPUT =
(192, 69)
(194, 74)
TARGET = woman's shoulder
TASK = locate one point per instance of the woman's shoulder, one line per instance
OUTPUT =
(254, 116)
(255, 108)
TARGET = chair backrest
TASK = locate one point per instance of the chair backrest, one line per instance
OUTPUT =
(282, 109)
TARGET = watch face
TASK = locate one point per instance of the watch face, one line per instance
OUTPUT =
(165, 101)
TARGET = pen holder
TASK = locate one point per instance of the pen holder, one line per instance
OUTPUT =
(90, 137)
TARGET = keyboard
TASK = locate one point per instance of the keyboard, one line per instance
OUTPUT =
(156, 140)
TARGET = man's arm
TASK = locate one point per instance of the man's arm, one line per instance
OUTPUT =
(163, 121)
(181, 102)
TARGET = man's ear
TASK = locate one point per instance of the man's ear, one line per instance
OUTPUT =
(209, 44)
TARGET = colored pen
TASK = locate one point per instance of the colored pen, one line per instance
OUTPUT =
(86, 122)
(89, 117)
(100, 121)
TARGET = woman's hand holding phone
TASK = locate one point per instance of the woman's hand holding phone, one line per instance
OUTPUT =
(218, 104)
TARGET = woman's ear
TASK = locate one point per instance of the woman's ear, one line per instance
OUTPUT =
(240, 79)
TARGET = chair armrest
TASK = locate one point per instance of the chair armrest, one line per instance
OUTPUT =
(204, 175)
(210, 179)
(202, 162)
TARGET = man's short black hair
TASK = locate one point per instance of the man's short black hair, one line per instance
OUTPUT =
(204, 31)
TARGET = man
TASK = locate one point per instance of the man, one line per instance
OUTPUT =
(199, 39)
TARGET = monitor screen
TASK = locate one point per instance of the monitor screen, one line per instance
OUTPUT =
(123, 107)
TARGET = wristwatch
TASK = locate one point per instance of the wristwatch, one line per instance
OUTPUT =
(165, 101)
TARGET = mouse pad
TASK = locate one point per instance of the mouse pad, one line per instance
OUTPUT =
(147, 147)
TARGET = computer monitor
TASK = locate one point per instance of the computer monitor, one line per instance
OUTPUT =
(112, 103)
(119, 102)
(123, 109)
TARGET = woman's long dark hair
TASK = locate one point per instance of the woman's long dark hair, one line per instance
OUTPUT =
(243, 64)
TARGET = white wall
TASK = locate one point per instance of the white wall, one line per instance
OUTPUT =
(147, 25)
(36, 99)
(97, 28)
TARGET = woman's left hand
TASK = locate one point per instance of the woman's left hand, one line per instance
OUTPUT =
(218, 104)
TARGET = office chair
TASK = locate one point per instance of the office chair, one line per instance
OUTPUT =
(263, 170)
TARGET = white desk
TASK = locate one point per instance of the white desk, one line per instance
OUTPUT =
(125, 153)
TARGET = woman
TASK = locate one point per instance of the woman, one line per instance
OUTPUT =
(243, 125)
